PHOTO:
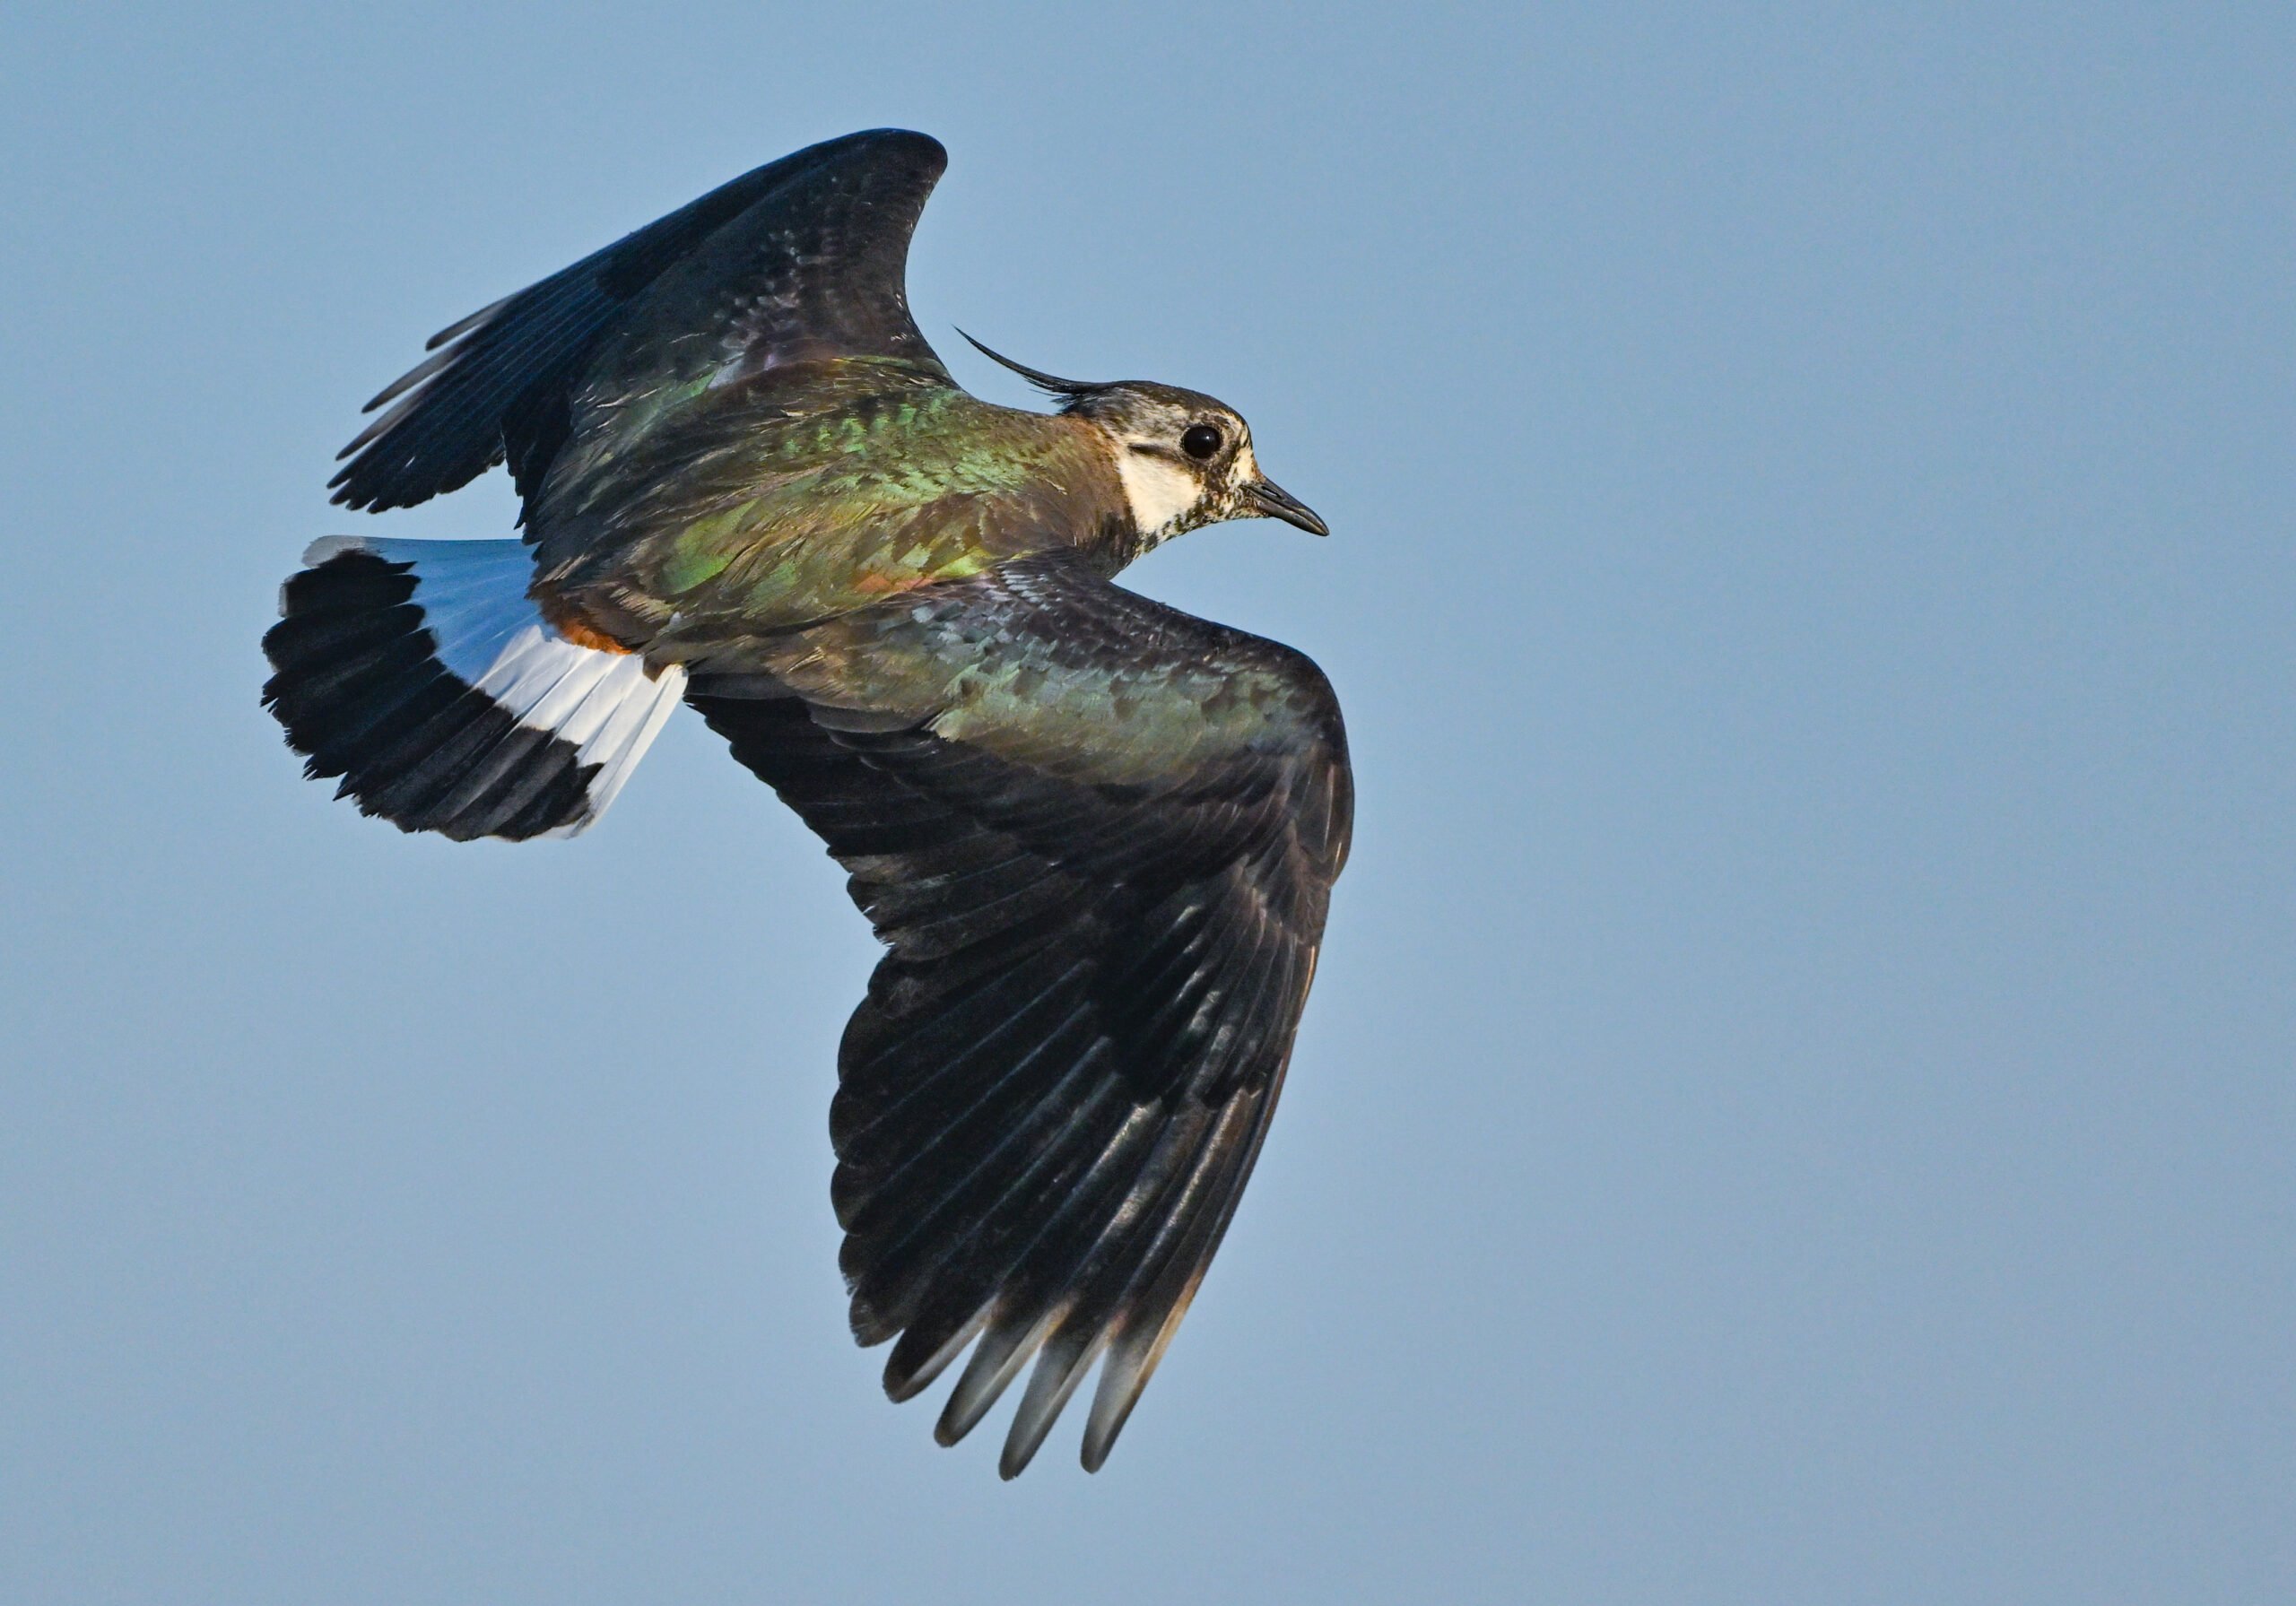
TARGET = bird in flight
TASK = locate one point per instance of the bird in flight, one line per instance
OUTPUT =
(1097, 834)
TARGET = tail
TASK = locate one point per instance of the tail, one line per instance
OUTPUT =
(423, 673)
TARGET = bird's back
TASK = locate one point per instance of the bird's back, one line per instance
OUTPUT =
(802, 494)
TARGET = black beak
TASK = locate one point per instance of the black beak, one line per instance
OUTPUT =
(1267, 499)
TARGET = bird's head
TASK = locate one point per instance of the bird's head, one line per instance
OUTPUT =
(1185, 460)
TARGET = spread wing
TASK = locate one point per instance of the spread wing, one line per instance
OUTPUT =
(801, 258)
(1099, 836)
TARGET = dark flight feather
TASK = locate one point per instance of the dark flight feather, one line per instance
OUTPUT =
(1057, 1085)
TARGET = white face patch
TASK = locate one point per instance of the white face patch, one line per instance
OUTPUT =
(1158, 489)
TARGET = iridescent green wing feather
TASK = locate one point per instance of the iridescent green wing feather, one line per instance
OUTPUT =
(799, 493)
(1099, 836)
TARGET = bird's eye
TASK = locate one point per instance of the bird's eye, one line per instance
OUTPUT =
(1200, 442)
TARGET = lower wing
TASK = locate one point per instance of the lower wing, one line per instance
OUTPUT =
(1098, 837)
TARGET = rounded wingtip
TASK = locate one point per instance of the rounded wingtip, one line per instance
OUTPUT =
(926, 151)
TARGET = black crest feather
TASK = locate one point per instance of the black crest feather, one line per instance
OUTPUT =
(1071, 390)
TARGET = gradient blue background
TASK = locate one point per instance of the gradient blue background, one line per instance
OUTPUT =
(1797, 1106)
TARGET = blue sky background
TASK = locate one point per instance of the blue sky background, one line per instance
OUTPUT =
(1797, 1105)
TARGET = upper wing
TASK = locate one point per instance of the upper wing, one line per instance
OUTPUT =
(804, 256)
(1100, 836)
